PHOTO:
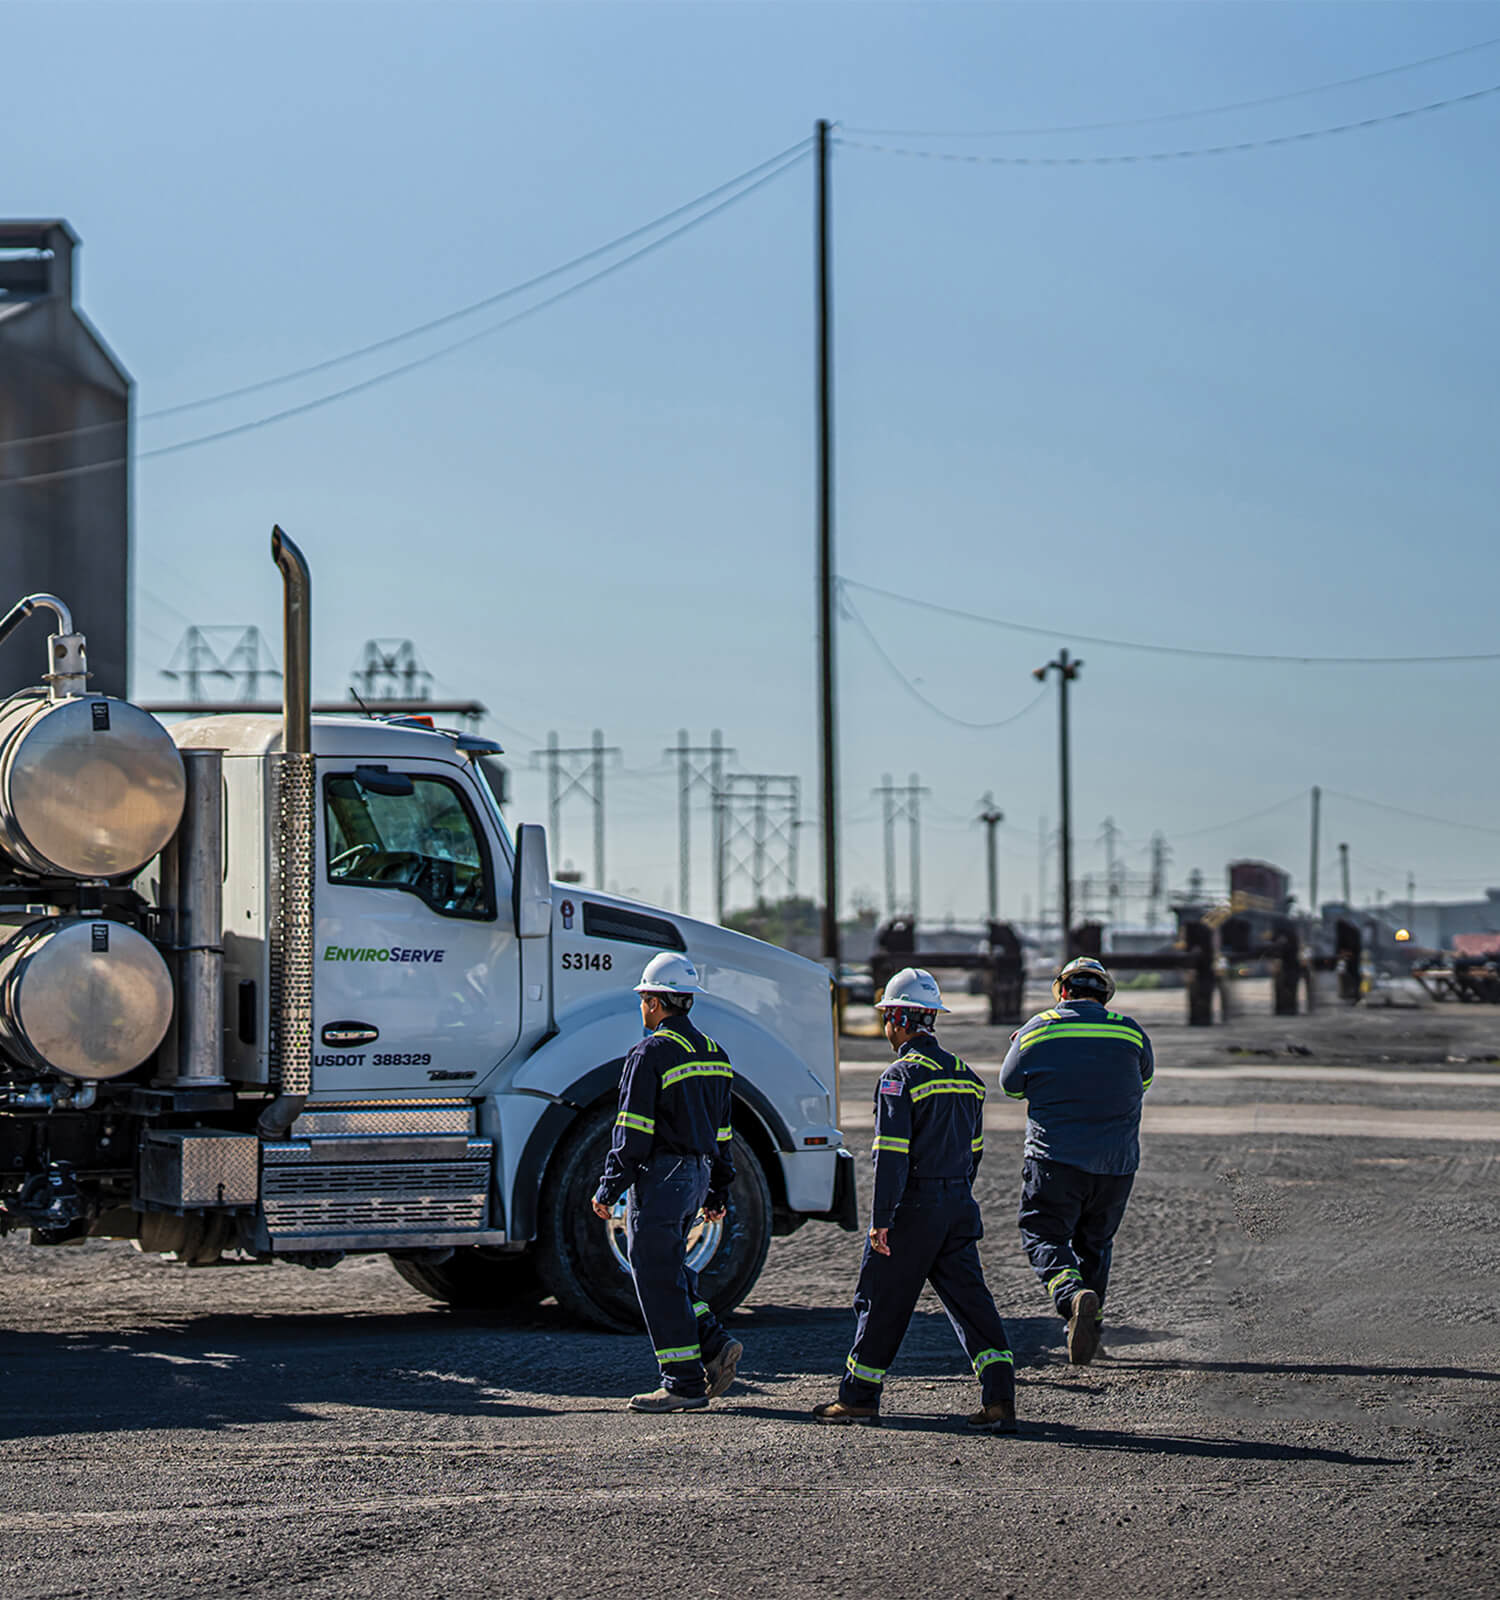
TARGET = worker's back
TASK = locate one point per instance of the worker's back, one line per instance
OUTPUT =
(1082, 1070)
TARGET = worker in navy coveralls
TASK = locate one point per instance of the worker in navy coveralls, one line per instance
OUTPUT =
(1083, 1071)
(671, 1152)
(924, 1224)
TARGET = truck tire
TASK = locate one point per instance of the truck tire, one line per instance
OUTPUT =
(475, 1279)
(573, 1256)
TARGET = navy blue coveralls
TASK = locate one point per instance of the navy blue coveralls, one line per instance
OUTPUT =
(929, 1138)
(1083, 1071)
(671, 1151)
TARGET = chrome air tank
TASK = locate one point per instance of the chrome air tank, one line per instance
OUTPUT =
(89, 787)
(89, 998)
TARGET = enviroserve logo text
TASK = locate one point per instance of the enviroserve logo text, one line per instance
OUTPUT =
(336, 952)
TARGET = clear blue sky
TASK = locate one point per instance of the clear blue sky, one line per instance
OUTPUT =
(1242, 402)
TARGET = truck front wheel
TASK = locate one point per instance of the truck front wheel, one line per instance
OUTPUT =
(579, 1262)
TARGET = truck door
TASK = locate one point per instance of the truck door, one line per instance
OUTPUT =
(416, 966)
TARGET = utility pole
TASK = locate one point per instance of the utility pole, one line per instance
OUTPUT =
(1066, 670)
(828, 730)
(991, 818)
(1344, 870)
(902, 802)
(1312, 862)
(1041, 877)
(580, 769)
(698, 767)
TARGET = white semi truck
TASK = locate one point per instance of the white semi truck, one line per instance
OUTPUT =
(288, 988)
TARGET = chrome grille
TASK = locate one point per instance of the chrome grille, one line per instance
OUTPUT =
(291, 941)
(375, 1197)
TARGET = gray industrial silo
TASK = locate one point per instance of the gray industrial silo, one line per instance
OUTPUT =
(62, 531)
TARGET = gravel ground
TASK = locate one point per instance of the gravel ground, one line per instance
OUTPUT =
(1301, 1396)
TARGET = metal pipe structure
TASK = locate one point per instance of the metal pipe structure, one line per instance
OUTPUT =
(22, 609)
(291, 952)
(199, 852)
(827, 703)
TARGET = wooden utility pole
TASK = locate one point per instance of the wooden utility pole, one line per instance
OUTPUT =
(1312, 864)
(827, 727)
(991, 818)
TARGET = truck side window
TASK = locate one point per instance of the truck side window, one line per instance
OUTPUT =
(424, 843)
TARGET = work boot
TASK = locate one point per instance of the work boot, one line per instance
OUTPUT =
(1083, 1327)
(667, 1400)
(837, 1411)
(998, 1418)
(721, 1368)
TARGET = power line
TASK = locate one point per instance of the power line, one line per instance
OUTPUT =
(1419, 816)
(1180, 116)
(914, 691)
(1165, 649)
(1237, 822)
(378, 378)
(1114, 160)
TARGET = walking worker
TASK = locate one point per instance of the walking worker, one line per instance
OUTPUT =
(924, 1224)
(671, 1152)
(1083, 1071)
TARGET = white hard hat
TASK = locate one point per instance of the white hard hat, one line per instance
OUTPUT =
(669, 972)
(914, 989)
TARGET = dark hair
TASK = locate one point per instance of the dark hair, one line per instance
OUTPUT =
(680, 1003)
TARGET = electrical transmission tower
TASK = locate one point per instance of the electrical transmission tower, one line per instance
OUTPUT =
(237, 654)
(390, 669)
(577, 770)
(1114, 880)
(698, 767)
(902, 802)
(758, 814)
(1161, 854)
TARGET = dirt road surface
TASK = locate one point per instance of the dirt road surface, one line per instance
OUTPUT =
(1301, 1394)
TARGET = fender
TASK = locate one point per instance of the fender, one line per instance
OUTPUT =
(603, 1025)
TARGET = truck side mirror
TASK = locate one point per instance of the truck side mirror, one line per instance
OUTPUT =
(533, 883)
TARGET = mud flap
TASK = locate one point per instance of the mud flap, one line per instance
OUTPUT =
(845, 1207)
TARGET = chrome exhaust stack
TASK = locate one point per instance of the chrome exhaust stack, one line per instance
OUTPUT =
(192, 883)
(291, 942)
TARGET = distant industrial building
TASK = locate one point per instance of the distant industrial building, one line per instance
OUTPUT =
(1435, 924)
(65, 404)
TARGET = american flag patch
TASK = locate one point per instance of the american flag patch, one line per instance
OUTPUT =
(889, 1086)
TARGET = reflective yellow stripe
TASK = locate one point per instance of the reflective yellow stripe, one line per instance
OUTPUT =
(1015, 1094)
(987, 1358)
(1083, 1030)
(628, 1119)
(1146, 1082)
(922, 1061)
(695, 1069)
(1067, 1275)
(896, 1146)
(922, 1091)
(869, 1374)
(725, 1135)
(676, 1038)
(978, 1144)
(686, 1352)
(700, 1308)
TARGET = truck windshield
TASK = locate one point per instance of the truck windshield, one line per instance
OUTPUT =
(425, 843)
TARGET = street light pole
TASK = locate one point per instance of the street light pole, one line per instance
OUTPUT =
(1066, 669)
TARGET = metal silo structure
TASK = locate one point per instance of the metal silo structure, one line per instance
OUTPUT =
(64, 455)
